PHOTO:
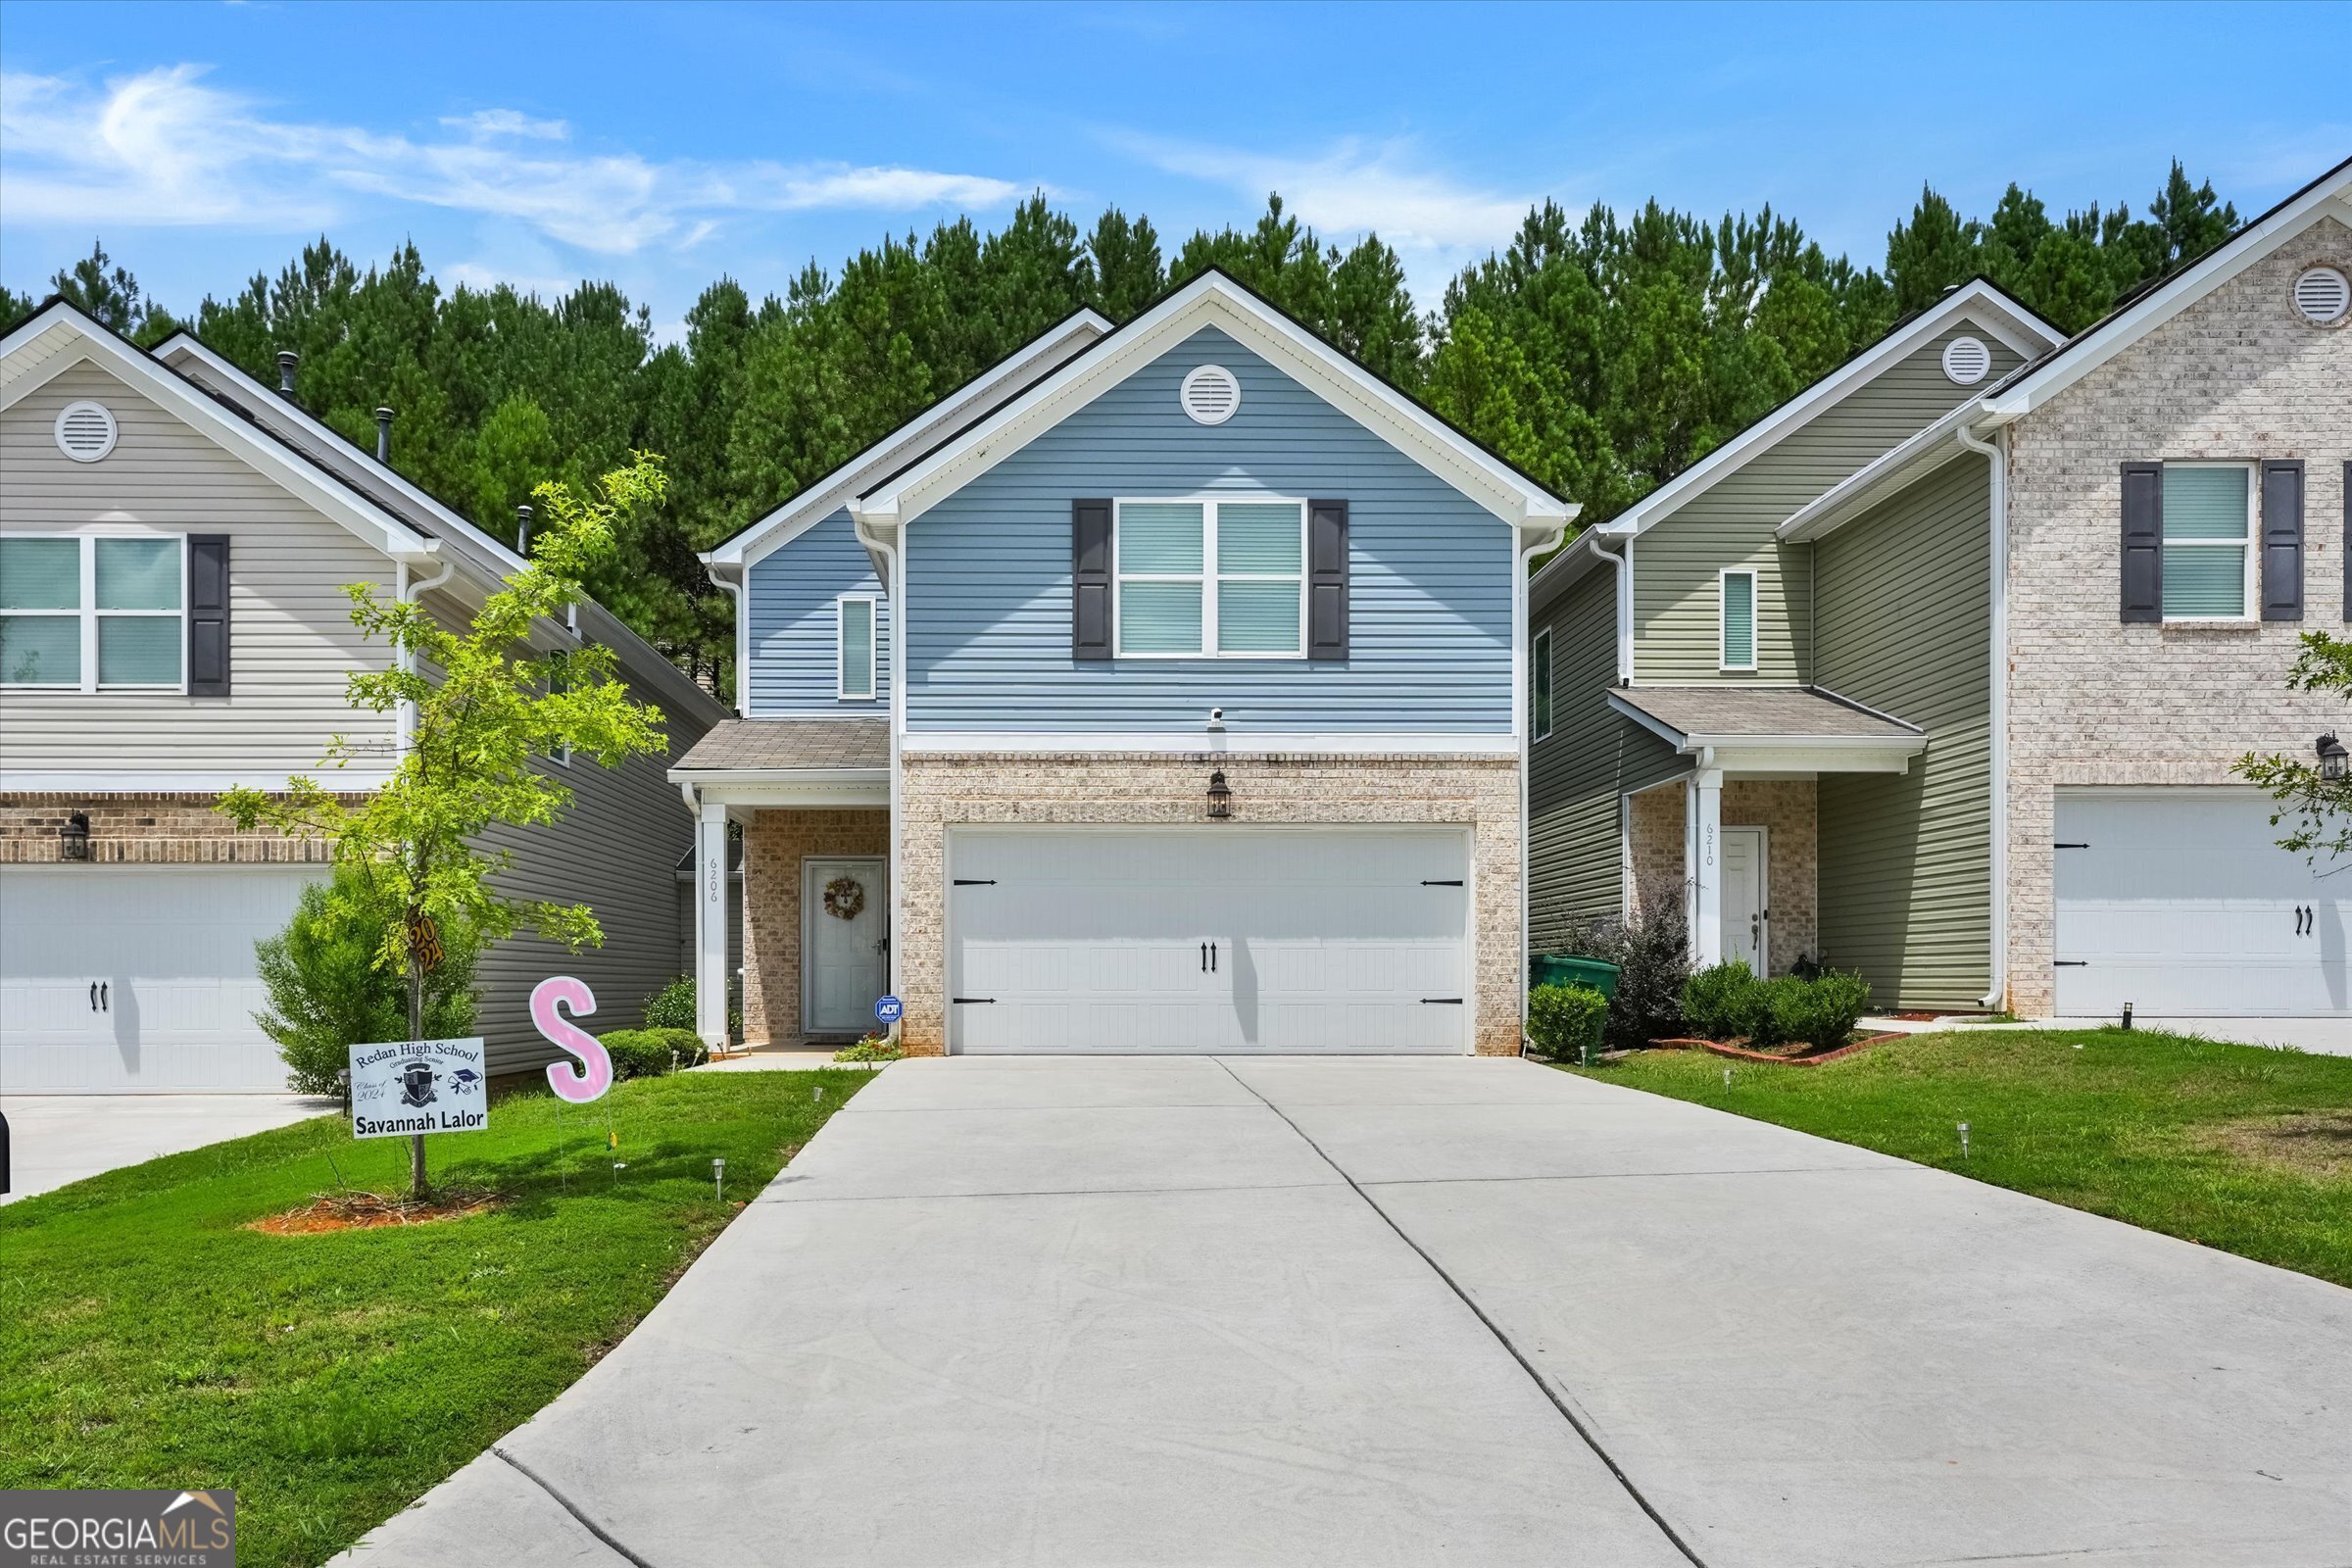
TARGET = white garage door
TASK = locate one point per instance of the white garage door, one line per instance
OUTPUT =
(2180, 900)
(1236, 938)
(138, 978)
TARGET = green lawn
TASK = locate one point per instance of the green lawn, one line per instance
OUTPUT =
(2238, 1148)
(147, 1338)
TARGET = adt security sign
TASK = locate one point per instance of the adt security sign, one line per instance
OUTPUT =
(403, 1086)
(889, 1010)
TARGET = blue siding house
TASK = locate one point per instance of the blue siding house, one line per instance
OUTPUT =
(1157, 692)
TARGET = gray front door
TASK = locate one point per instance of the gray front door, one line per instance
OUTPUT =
(845, 948)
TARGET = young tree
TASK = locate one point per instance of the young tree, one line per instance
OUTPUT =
(480, 729)
(2318, 806)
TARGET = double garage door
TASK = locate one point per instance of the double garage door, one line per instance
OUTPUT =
(1235, 939)
(2179, 902)
(139, 978)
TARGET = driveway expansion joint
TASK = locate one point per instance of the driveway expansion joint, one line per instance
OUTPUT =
(1551, 1393)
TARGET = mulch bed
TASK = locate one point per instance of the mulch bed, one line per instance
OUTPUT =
(366, 1211)
(1809, 1058)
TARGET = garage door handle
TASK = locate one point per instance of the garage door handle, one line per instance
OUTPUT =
(93, 995)
(106, 1001)
(971, 999)
(1440, 1002)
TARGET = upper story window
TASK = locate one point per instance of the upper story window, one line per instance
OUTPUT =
(2208, 541)
(854, 648)
(1735, 635)
(1209, 578)
(94, 612)
(1540, 686)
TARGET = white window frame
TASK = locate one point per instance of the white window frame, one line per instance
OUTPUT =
(1539, 695)
(89, 615)
(841, 647)
(1756, 618)
(2248, 609)
(1208, 576)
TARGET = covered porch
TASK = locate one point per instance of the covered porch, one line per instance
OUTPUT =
(1736, 838)
(809, 800)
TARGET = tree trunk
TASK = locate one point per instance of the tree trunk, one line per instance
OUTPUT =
(416, 1183)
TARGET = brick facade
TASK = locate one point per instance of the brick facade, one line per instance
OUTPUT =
(1481, 793)
(1785, 809)
(774, 845)
(145, 829)
(2237, 375)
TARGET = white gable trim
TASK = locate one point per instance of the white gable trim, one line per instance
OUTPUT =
(813, 506)
(2328, 196)
(1979, 303)
(1213, 300)
(170, 392)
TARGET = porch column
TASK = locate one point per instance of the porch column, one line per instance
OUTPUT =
(711, 923)
(1701, 853)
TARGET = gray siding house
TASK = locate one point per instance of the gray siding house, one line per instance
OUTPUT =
(1940, 672)
(174, 540)
(1162, 700)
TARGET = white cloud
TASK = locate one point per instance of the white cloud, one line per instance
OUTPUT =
(162, 148)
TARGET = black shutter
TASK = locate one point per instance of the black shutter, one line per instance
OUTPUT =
(208, 614)
(1090, 579)
(1327, 579)
(2143, 541)
(2283, 539)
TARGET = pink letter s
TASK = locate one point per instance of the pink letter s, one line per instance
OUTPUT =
(567, 1081)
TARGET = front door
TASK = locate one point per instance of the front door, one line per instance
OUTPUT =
(845, 948)
(1746, 906)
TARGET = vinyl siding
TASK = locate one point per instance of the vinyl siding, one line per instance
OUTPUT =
(292, 644)
(988, 575)
(1593, 755)
(1732, 523)
(1905, 626)
(793, 625)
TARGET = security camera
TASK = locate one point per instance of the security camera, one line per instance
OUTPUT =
(1216, 718)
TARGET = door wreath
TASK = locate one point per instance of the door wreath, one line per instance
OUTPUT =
(844, 898)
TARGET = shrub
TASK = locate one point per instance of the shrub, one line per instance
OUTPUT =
(1820, 1013)
(672, 1006)
(327, 993)
(1653, 959)
(649, 1053)
(1565, 1023)
(1723, 1002)
(873, 1047)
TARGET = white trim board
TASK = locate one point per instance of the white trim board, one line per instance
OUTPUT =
(82, 781)
(1212, 300)
(1189, 743)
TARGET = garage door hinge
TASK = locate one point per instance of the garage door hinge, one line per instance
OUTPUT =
(976, 881)
(1446, 1002)
(1449, 882)
(2069, 845)
(971, 999)
(2070, 964)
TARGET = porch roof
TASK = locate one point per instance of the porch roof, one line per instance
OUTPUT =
(783, 744)
(1771, 727)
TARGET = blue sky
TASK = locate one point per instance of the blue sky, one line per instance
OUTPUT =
(659, 146)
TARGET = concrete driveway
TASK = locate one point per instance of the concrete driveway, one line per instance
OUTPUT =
(56, 1138)
(1191, 1311)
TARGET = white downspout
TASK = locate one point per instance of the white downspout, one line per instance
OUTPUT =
(412, 591)
(1998, 451)
(892, 588)
(734, 587)
(1625, 606)
(1521, 699)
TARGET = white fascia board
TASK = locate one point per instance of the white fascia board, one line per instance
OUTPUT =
(2031, 388)
(1189, 743)
(1745, 758)
(1211, 300)
(835, 490)
(1882, 478)
(95, 781)
(1979, 302)
(1564, 568)
(878, 777)
(172, 392)
(747, 789)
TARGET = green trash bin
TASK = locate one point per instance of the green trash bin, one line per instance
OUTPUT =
(1566, 969)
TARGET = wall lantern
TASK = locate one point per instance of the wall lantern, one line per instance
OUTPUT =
(1220, 797)
(2331, 759)
(73, 839)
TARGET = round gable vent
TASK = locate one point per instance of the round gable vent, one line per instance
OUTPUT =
(1966, 360)
(2323, 295)
(1210, 394)
(86, 432)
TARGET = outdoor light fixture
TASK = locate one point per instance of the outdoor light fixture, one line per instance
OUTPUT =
(1220, 796)
(73, 839)
(2333, 758)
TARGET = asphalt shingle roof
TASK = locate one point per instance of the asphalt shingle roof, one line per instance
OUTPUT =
(787, 743)
(1805, 712)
